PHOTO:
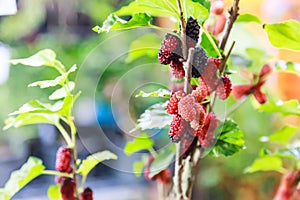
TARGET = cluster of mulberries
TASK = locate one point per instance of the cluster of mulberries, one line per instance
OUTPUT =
(67, 185)
(190, 121)
(163, 176)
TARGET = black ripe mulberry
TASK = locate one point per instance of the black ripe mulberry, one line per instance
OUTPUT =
(192, 32)
(63, 160)
(199, 62)
(170, 49)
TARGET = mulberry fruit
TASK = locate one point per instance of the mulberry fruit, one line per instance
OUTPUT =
(177, 128)
(87, 194)
(209, 76)
(186, 108)
(224, 88)
(63, 160)
(200, 93)
(177, 69)
(67, 189)
(192, 32)
(172, 106)
(170, 49)
(206, 137)
(199, 62)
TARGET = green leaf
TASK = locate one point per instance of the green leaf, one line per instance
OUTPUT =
(141, 142)
(60, 80)
(152, 7)
(205, 3)
(206, 45)
(113, 22)
(138, 166)
(36, 106)
(146, 45)
(91, 161)
(283, 135)
(54, 192)
(155, 116)
(290, 107)
(44, 57)
(266, 163)
(197, 11)
(158, 93)
(230, 141)
(19, 178)
(61, 92)
(31, 118)
(248, 18)
(164, 158)
(284, 35)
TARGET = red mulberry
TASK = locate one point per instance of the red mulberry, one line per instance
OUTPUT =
(63, 160)
(177, 69)
(224, 88)
(172, 106)
(87, 194)
(177, 128)
(200, 93)
(186, 108)
(163, 176)
(170, 49)
(67, 189)
(208, 131)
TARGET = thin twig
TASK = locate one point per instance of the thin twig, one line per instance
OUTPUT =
(183, 30)
(188, 72)
(233, 16)
(225, 58)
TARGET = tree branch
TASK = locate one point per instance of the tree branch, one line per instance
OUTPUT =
(233, 16)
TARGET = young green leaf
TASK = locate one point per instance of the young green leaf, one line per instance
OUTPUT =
(61, 92)
(53, 192)
(19, 178)
(284, 35)
(205, 3)
(266, 163)
(248, 18)
(164, 158)
(113, 22)
(155, 117)
(60, 80)
(197, 11)
(152, 7)
(230, 141)
(158, 93)
(141, 142)
(146, 45)
(31, 118)
(283, 135)
(44, 57)
(92, 160)
(290, 107)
